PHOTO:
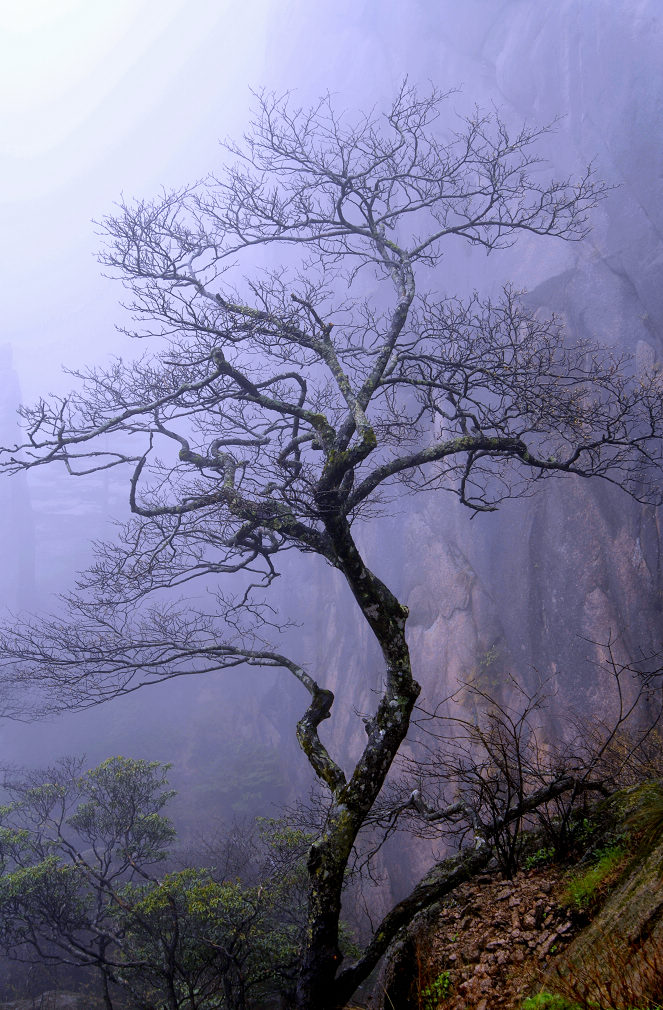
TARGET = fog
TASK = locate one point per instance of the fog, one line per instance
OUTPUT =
(106, 99)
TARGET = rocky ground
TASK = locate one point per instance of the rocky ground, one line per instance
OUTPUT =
(497, 937)
(486, 947)
(495, 941)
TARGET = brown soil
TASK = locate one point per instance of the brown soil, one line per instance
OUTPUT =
(495, 939)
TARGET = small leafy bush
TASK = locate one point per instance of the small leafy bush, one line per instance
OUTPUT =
(583, 832)
(548, 1001)
(583, 891)
(540, 857)
(436, 991)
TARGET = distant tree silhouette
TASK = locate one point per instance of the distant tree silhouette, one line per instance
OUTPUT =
(83, 884)
(70, 842)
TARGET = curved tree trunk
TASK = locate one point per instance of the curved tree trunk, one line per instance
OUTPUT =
(386, 730)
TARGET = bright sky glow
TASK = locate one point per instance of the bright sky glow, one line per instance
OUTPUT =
(60, 60)
(100, 98)
(49, 54)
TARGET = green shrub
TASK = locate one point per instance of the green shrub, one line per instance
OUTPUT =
(548, 1001)
(583, 890)
(540, 858)
(436, 991)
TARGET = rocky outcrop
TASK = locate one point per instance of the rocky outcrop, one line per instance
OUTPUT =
(488, 945)
(618, 957)
(492, 941)
(537, 588)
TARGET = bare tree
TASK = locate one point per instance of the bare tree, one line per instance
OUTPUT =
(281, 409)
(483, 766)
(485, 769)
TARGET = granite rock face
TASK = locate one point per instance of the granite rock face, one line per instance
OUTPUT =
(532, 589)
(55, 1000)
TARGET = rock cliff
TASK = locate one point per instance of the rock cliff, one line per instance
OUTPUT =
(530, 589)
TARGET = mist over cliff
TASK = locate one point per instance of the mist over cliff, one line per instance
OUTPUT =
(529, 589)
(522, 590)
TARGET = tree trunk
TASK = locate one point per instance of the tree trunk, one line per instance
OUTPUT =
(105, 992)
(322, 956)
(386, 730)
